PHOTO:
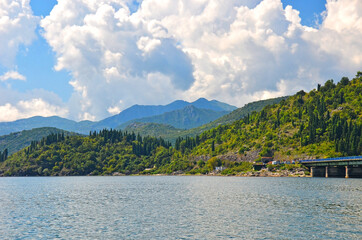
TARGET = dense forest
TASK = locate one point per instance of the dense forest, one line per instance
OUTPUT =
(326, 122)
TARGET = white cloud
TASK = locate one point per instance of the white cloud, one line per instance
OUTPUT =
(114, 110)
(146, 44)
(17, 27)
(341, 33)
(12, 75)
(234, 51)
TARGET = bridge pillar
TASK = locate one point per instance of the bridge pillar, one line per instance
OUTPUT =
(347, 172)
(326, 171)
(312, 169)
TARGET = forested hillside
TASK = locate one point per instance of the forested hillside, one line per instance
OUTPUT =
(104, 152)
(325, 122)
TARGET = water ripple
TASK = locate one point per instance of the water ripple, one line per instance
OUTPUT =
(161, 207)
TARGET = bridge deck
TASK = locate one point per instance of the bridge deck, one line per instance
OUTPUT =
(352, 158)
(340, 161)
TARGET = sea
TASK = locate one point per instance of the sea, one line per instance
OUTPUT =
(180, 207)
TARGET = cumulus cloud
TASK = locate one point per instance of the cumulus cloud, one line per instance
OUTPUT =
(17, 27)
(234, 51)
(12, 75)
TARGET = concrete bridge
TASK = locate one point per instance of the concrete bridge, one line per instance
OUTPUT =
(335, 167)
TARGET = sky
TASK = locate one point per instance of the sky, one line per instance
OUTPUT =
(88, 59)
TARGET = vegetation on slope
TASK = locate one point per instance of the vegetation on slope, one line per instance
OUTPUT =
(325, 122)
(105, 152)
(167, 132)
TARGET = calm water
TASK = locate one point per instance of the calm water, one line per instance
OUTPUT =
(178, 207)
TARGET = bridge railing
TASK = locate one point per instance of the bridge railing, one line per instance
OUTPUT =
(332, 159)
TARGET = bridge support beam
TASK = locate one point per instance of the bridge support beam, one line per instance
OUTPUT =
(326, 171)
(317, 172)
(347, 172)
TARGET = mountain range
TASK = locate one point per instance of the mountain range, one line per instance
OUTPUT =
(185, 118)
(170, 133)
(193, 116)
(143, 111)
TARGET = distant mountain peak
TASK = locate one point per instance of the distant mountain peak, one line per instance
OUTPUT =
(202, 100)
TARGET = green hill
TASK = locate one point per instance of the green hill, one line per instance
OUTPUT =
(105, 152)
(167, 132)
(326, 122)
(19, 140)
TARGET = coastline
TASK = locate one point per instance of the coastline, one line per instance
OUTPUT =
(262, 173)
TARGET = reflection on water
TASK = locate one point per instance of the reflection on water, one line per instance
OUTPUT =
(161, 207)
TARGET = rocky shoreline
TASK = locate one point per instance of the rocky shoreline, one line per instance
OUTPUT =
(262, 173)
(277, 173)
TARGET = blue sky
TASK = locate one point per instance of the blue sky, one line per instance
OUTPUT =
(310, 10)
(164, 61)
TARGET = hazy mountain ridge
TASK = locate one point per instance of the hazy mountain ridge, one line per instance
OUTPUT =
(40, 122)
(143, 111)
(185, 118)
(83, 127)
(170, 134)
